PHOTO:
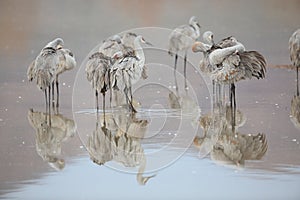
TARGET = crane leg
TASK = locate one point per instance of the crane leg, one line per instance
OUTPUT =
(175, 67)
(214, 93)
(297, 80)
(49, 94)
(184, 71)
(233, 107)
(46, 100)
(53, 94)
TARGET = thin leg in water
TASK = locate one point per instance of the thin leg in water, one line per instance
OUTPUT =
(49, 97)
(46, 100)
(53, 100)
(214, 93)
(297, 80)
(184, 71)
(175, 68)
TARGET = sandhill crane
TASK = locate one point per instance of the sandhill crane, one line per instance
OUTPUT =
(232, 64)
(97, 73)
(128, 70)
(294, 47)
(49, 138)
(111, 45)
(181, 39)
(43, 68)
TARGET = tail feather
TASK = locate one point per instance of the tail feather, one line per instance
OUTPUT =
(44, 79)
(254, 63)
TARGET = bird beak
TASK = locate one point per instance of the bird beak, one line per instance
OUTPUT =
(195, 47)
(148, 43)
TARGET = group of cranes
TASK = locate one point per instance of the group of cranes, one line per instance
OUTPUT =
(120, 62)
(117, 65)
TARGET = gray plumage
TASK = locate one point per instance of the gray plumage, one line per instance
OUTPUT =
(239, 66)
(52, 61)
(295, 111)
(294, 47)
(184, 36)
(127, 70)
(97, 71)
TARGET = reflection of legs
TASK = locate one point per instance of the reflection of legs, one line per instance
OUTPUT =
(233, 106)
(57, 93)
(53, 95)
(49, 94)
(97, 103)
(184, 70)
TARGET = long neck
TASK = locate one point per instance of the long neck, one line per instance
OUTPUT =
(138, 48)
(196, 30)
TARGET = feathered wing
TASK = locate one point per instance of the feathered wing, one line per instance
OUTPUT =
(254, 64)
(31, 71)
(97, 70)
(45, 67)
(240, 65)
(294, 47)
(66, 61)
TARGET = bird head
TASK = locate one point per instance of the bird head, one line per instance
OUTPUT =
(193, 22)
(208, 37)
(117, 38)
(117, 55)
(142, 40)
(57, 43)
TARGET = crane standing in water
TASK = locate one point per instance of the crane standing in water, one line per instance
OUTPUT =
(232, 64)
(294, 47)
(43, 68)
(128, 70)
(97, 73)
(52, 61)
(181, 39)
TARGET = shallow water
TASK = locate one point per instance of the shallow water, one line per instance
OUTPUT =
(167, 151)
